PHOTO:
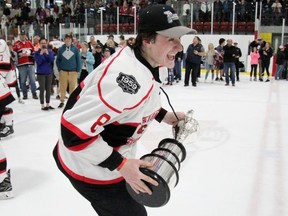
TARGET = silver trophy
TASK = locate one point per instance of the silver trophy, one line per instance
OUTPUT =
(187, 130)
(166, 161)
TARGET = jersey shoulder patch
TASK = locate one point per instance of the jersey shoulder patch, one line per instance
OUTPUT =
(128, 83)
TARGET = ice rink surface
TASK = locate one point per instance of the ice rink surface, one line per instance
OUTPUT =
(238, 165)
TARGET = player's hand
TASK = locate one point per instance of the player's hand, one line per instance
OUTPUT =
(134, 177)
(171, 119)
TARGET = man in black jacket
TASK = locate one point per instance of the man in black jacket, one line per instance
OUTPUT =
(237, 57)
(194, 54)
(229, 62)
(280, 60)
(177, 67)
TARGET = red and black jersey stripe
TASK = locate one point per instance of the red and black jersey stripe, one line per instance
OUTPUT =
(6, 99)
(3, 165)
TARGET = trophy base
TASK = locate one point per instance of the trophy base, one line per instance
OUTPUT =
(160, 194)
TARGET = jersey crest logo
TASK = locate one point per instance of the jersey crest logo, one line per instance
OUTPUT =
(128, 83)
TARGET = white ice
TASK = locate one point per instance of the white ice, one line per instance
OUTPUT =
(237, 167)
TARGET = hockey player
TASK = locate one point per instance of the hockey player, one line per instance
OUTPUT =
(7, 128)
(110, 110)
(7, 77)
(5, 183)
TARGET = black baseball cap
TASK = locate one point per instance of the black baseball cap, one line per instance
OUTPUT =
(163, 20)
(22, 32)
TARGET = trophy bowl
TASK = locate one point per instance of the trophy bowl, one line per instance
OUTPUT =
(166, 164)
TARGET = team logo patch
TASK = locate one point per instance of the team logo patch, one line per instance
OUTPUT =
(128, 83)
(170, 16)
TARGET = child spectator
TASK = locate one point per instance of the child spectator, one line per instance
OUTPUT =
(209, 65)
(254, 55)
(107, 54)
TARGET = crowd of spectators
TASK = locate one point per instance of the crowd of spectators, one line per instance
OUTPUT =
(272, 10)
(49, 61)
(21, 14)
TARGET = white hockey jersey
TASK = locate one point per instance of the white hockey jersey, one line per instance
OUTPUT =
(6, 96)
(6, 68)
(4, 53)
(105, 116)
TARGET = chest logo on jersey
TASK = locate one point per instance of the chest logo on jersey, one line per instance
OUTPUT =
(128, 83)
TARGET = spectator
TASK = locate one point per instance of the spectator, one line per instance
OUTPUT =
(170, 78)
(260, 44)
(229, 62)
(267, 12)
(122, 44)
(124, 12)
(6, 11)
(91, 41)
(98, 55)
(205, 11)
(106, 55)
(251, 6)
(209, 64)
(220, 65)
(4, 23)
(110, 44)
(66, 13)
(194, 54)
(14, 62)
(186, 13)
(131, 41)
(122, 38)
(42, 15)
(218, 10)
(280, 60)
(36, 43)
(44, 58)
(238, 54)
(267, 53)
(227, 10)
(254, 62)
(109, 12)
(25, 53)
(178, 65)
(38, 3)
(68, 64)
(110, 37)
(277, 12)
(56, 9)
(25, 10)
(76, 43)
(87, 60)
(242, 11)
(196, 10)
(99, 42)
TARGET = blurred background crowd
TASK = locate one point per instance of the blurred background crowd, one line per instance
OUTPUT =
(120, 16)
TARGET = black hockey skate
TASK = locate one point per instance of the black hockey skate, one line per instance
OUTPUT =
(2, 126)
(6, 131)
(6, 188)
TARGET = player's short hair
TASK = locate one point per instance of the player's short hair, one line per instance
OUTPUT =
(149, 36)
